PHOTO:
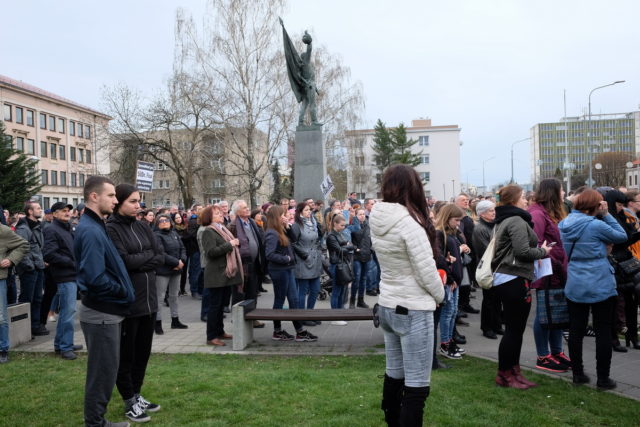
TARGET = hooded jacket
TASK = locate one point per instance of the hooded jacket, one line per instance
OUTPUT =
(361, 238)
(590, 277)
(142, 255)
(33, 259)
(409, 276)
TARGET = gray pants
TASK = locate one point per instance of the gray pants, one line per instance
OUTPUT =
(103, 346)
(173, 282)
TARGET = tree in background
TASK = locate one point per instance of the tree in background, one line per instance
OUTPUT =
(613, 171)
(382, 147)
(402, 147)
(19, 178)
(276, 194)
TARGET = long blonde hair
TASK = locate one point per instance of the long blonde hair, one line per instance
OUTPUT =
(446, 213)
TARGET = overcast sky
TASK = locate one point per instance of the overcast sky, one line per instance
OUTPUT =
(495, 68)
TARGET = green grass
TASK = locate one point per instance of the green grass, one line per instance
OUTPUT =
(220, 390)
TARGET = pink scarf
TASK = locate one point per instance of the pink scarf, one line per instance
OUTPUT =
(233, 257)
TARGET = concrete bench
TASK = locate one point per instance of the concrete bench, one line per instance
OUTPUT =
(245, 312)
(19, 324)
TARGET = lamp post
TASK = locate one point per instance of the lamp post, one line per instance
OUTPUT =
(512, 144)
(589, 131)
(484, 188)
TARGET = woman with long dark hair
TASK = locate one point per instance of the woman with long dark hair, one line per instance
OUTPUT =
(516, 249)
(546, 212)
(404, 239)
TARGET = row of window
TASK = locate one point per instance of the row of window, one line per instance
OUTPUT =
(54, 151)
(424, 176)
(60, 178)
(50, 122)
(47, 202)
(595, 124)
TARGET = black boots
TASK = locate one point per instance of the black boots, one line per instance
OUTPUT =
(361, 303)
(176, 324)
(352, 302)
(392, 399)
(158, 328)
(403, 406)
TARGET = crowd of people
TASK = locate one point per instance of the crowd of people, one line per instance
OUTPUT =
(417, 256)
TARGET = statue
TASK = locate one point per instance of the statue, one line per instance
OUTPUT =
(302, 77)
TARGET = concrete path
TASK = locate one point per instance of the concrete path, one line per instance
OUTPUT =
(356, 338)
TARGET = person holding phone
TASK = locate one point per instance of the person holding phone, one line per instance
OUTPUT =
(404, 238)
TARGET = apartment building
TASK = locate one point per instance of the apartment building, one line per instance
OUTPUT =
(67, 139)
(439, 149)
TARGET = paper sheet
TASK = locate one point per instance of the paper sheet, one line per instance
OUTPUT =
(542, 268)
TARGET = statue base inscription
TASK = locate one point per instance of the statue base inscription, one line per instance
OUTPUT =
(310, 166)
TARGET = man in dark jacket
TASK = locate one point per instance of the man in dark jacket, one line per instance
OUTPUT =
(31, 268)
(193, 252)
(106, 292)
(58, 253)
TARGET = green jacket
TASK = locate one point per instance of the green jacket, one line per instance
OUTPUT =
(215, 249)
(12, 247)
(516, 248)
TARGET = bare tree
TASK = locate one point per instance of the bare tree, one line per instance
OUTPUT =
(613, 170)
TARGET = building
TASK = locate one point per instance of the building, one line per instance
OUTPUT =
(439, 148)
(553, 152)
(67, 139)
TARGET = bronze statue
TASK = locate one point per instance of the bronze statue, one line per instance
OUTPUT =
(302, 77)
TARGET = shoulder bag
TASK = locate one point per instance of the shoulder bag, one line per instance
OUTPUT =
(551, 304)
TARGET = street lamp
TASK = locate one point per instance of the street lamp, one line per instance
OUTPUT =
(484, 188)
(512, 144)
(589, 131)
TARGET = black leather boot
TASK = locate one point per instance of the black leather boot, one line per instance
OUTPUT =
(391, 400)
(352, 302)
(361, 303)
(176, 324)
(158, 328)
(412, 407)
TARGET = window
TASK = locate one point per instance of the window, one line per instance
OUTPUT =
(43, 121)
(87, 131)
(7, 113)
(74, 180)
(80, 130)
(19, 115)
(44, 177)
(359, 160)
(30, 118)
(63, 178)
(378, 178)
(63, 152)
(81, 180)
(64, 199)
(43, 149)
(424, 159)
(72, 154)
(54, 177)
(60, 125)
(31, 146)
(87, 156)
(20, 144)
(47, 203)
(52, 123)
(423, 141)
(166, 183)
(80, 155)
(75, 201)
(217, 183)
(72, 128)
(425, 176)
(53, 151)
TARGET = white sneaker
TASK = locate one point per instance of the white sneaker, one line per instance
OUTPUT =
(339, 323)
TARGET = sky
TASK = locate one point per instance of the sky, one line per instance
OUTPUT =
(494, 68)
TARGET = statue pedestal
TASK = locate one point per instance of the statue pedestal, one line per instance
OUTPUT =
(310, 165)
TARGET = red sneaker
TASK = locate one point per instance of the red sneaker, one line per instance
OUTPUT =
(562, 358)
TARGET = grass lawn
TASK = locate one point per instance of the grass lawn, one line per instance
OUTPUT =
(199, 389)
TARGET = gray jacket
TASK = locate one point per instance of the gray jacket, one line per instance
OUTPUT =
(12, 247)
(482, 233)
(307, 249)
(34, 259)
(516, 248)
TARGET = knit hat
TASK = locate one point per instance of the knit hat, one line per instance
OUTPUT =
(483, 206)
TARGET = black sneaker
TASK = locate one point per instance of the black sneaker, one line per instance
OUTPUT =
(456, 348)
(147, 406)
(305, 336)
(549, 363)
(469, 309)
(4, 356)
(68, 355)
(445, 351)
(281, 336)
(606, 383)
(136, 414)
(39, 332)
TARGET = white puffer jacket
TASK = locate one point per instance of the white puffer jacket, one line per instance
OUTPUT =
(409, 276)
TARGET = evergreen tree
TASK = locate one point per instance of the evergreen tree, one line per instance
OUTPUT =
(382, 146)
(276, 195)
(291, 180)
(19, 178)
(402, 147)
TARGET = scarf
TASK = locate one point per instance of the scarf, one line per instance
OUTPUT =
(507, 211)
(233, 257)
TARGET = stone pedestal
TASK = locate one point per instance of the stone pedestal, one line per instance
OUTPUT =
(310, 165)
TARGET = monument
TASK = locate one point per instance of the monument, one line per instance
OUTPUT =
(310, 167)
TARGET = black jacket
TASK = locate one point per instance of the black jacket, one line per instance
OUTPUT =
(174, 251)
(142, 255)
(362, 240)
(338, 249)
(58, 251)
(279, 257)
(190, 237)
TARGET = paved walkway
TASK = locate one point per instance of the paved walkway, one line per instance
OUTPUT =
(356, 338)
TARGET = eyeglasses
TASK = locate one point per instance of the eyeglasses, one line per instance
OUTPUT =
(163, 220)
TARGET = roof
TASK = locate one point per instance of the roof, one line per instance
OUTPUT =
(25, 87)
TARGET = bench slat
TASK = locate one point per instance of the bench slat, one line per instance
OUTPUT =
(315, 314)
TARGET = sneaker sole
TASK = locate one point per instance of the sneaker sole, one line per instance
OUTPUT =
(306, 339)
(152, 410)
(139, 420)
(544, 368)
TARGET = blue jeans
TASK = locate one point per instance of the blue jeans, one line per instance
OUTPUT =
(284, 286)
(64, 330)
(31, 285)
(545, 338)
(337, 291)
(194, 272)
(408, 345)
(4, 317)
(448, 314)
(308, 285)
(359, 278)
(373, 273)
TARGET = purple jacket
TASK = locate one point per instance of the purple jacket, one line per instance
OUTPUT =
(546, 229)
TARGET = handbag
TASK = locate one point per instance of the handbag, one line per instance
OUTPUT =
(344, 272)
(484, 274)
(551, 304)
